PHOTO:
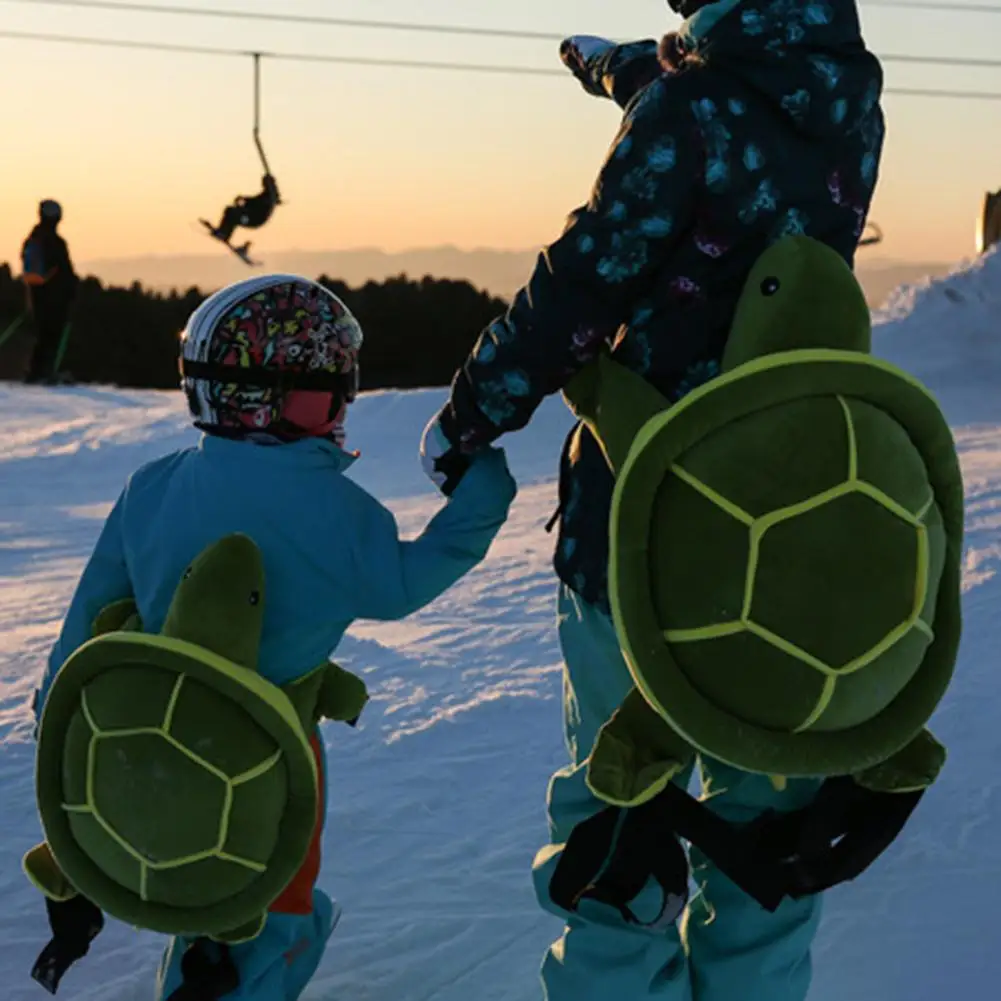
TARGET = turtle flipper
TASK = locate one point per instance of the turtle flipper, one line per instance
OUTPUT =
(41, 867)
(615, 403)
(120, 616)
(329, 692)
(909, 770)
(636, 755)
(343, 695)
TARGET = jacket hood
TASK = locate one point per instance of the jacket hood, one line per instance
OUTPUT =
(806, 56)
(306, 451)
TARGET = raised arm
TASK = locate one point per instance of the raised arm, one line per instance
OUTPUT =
(584, 284)
(393, 578)
(605, 69)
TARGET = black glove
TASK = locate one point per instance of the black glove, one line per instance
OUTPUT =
(208, 972)
(75, 923)
(589, 869)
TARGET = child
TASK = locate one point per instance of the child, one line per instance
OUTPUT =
(269, 367)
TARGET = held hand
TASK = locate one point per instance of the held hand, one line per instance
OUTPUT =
(578, 52)
(443, 463)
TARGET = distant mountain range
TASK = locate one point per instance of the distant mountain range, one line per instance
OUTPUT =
(500, 272)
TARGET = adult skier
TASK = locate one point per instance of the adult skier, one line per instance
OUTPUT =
(50, 286)
(756, 120)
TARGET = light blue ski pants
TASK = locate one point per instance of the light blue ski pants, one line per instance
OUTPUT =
(275, 966)
(727, 948)
(280, 962)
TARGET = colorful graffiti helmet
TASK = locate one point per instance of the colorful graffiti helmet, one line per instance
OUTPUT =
(275, 356)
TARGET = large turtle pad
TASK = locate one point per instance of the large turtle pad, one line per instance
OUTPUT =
(177, 790)
(784, 570)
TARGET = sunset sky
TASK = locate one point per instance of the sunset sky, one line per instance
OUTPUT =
(138, 144)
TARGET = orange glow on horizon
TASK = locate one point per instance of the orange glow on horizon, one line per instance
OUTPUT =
(138, 145)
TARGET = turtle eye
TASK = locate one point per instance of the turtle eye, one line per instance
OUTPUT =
(255, 597)
(770, 286)
(186, 574)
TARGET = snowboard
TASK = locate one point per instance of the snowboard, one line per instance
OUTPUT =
(240, 252)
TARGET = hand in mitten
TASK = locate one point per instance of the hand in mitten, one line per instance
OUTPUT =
(578, 53)
(443, 463)
(75, 923)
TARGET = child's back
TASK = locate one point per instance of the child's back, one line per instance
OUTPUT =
(270, 366)
(331, 551)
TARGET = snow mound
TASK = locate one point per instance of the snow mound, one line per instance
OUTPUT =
(947, 332)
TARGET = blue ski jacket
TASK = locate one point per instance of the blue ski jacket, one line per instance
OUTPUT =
(332, 553)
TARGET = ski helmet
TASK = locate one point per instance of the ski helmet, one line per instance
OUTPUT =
(273, 357)
(50, 210)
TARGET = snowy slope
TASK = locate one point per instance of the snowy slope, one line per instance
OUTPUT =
(437, 799)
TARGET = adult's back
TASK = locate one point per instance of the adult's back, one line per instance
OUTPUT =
(52, 278)
(768, 124)
(783, 110)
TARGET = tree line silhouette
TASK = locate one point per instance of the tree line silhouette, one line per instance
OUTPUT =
(417, 332)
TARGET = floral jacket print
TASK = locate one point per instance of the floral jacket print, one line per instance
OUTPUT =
(772, 125)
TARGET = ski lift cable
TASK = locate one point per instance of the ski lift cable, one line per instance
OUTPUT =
(125, 43)
(305, 57)
(314, 19)
(456, 29)
(310, 57)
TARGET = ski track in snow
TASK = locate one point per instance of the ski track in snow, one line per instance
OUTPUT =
(437, 800)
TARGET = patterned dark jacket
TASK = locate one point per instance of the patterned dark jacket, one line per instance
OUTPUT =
(771, 126)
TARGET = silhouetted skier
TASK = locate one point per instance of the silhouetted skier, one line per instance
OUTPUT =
(248, 212)
(50, 286)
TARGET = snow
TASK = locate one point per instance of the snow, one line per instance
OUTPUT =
(437, 800)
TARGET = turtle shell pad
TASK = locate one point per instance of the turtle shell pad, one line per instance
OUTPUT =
(828, 561)
(177, 790)
(784, 564)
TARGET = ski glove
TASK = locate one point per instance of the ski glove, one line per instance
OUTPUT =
(75, 923)
(443, 463)
(578, 53)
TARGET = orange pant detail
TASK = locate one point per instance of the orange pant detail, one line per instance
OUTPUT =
(297, 897)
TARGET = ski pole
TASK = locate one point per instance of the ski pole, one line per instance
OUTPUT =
(62, 348)
(11, 330)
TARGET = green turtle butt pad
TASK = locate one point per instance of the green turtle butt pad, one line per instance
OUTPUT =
(785, 546)
(177, 788)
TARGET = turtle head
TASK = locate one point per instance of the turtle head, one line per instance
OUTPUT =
(219, 603)
(800, 294)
